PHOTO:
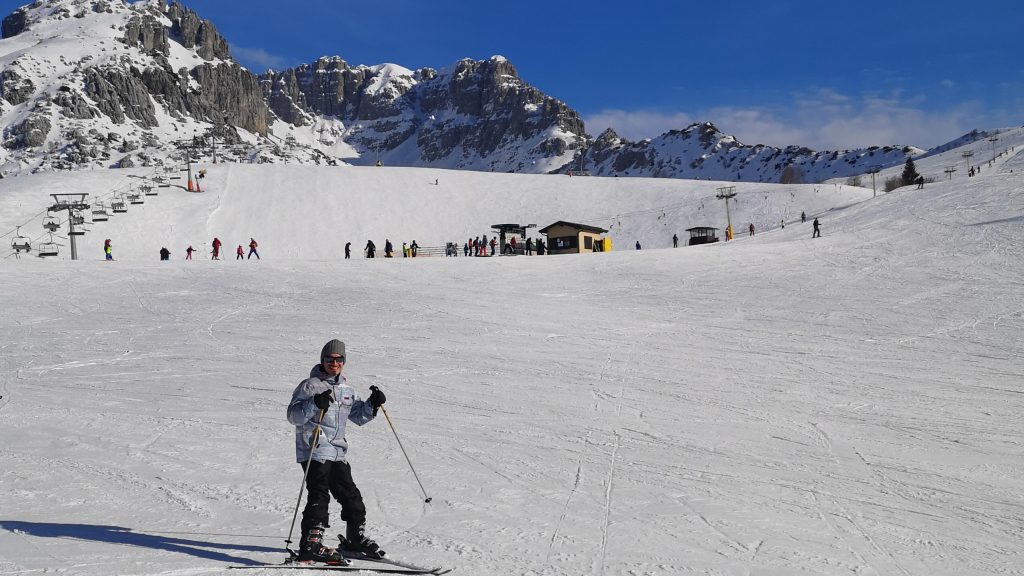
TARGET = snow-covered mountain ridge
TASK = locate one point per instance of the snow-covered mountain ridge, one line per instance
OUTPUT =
(113, 83)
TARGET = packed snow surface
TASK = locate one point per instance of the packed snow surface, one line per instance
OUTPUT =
(775, 405)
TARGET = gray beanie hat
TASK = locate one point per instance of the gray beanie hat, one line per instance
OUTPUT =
(333, 347)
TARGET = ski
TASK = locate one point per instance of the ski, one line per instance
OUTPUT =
(383, 569)
(395, 563)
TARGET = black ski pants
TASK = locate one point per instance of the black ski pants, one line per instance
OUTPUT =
(326, 479)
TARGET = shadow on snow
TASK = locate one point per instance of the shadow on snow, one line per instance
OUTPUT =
(126, 536)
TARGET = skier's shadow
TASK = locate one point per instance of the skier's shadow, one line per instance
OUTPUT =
(126, 536)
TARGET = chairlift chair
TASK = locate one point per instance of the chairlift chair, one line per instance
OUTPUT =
(148, 190)
(20, 243)
(99, 212)
(77, 219)
(48, 248)
(136, 198)
(118, 205)
(51, 223)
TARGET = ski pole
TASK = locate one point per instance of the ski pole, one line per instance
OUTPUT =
(393, 431)
(312, 448)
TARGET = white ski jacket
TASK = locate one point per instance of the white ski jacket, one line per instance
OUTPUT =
(303, 413)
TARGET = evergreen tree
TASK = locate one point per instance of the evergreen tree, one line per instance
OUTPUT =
(910, 174)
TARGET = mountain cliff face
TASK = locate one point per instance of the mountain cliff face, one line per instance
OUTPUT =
(701, 152)
(98, 83)
(477, 114)
(112, 83)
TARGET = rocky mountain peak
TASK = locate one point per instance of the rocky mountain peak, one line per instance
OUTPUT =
(147, 74)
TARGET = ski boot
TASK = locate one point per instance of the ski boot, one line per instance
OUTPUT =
(355, 541)
(312, 549)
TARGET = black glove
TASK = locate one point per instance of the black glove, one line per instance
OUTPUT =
(323, 400)
(376, 398)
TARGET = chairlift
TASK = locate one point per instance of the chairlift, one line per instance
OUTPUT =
(77, 219)
(51, 223)
(20, 243)
(118, 205)
(135, 198)
(148, 190)
(48, 248)
(99, 212)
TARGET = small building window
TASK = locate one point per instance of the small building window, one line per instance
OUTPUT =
(564, 243)
(588, 242)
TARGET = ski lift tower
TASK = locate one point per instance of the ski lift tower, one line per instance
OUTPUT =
(511, 230)
(874, 170)
(725, 193)
(188, 146)
(967, 156)
(72, 203)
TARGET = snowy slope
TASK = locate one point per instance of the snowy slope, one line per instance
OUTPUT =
(775, 405)
(279, 206)
(985, 153)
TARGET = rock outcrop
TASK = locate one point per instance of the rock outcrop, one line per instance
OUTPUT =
(478, 114)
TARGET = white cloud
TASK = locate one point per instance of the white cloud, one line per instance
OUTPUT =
(822, 119)
(257, 59)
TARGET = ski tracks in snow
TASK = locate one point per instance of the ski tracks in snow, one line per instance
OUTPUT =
(831, 508)
(568, 499)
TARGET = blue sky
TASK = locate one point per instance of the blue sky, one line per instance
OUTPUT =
(817, 74)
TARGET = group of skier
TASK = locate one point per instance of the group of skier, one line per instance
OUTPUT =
(165, 254)
(751, 228)
(216, 249)
(478, 246)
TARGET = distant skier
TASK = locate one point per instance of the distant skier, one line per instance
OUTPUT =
(108, 251)
(326, 402)
(803, 217)
(389, 250)
(216, 249)
(413, 248)
(752, 228)
(675, 240)
(817, 229)
(494, 245)
(541, 247)
(188, 252)
(370, 249)
(920, 182)
(252, 249)
(165, 254)
(348, 250)
(637, 244)
(529, 246)
(239, 253)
